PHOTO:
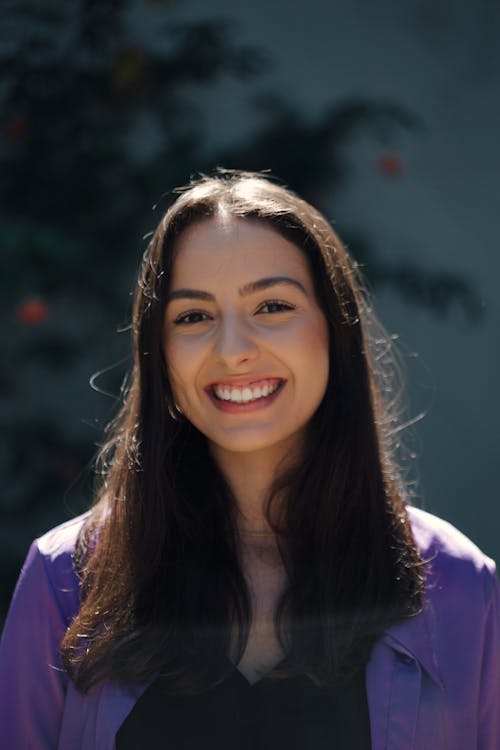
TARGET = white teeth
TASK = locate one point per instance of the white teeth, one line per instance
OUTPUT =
(245, 395)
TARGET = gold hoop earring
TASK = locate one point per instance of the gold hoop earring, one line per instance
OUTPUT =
(175, 411)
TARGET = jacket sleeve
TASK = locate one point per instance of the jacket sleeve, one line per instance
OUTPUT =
(489, 697)
(32, 682)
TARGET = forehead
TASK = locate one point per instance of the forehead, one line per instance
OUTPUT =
(219, 250)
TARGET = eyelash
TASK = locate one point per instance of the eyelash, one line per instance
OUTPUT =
(284, 305)
(182, 319)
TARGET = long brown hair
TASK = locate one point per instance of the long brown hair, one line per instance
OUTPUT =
(162, 585)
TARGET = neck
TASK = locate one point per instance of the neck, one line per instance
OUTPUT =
(250, 476)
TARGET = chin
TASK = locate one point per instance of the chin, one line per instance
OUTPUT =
(256, 443)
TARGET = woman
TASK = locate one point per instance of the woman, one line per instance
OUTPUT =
(250, 574)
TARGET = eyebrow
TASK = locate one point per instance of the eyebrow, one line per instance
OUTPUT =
(251, 288)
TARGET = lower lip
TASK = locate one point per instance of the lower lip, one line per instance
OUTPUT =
(229, 407)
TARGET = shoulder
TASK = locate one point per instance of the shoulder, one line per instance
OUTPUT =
(60, 541)
(457, 631)
(453, 562)
(33, 683)
(436, 537)
(48, 575)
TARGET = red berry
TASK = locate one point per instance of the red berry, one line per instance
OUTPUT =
(32, 312)
(16, 127)
(390, 165)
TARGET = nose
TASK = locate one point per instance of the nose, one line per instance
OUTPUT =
(235, 345)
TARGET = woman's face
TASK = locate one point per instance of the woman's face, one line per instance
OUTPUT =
(246, 343)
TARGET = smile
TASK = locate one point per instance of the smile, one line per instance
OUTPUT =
(231, 399)
(251, 392)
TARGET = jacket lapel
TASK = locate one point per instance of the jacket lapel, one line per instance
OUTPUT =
(115, 703)
(400, 661)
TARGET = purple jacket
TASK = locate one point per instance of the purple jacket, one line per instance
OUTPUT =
(433, 682)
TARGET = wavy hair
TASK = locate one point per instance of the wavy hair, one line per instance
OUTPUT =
(162, 586)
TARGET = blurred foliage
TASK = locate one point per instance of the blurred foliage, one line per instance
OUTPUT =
(96, 123)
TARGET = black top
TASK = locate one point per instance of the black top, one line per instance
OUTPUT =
(292, 714)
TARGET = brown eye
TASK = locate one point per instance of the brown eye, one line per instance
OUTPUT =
(274, 306)
(189, 318)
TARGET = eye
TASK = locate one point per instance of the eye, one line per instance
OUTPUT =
(274, 306)
(191, 317)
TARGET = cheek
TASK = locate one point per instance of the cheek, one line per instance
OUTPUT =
(182, 365)
(176, 373)
(316, 356)
(310, 343)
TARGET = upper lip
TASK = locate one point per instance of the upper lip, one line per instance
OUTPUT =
(241, 382)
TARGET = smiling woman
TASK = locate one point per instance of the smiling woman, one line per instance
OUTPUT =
(251, 574)
(246, 334)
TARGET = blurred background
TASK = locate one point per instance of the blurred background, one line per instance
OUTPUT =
(385, 115)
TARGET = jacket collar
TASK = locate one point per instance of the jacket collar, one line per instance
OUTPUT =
(414, 639)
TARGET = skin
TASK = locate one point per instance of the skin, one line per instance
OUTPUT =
(231, 338)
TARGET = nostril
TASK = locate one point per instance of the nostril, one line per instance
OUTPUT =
(235, 360)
